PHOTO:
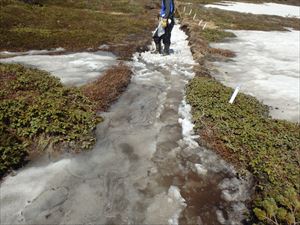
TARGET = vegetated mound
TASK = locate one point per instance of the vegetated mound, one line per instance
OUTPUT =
(75, 25)
(108, 87)
(244, 134)
(36, 111)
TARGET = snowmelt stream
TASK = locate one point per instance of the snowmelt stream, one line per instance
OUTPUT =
(146, 167)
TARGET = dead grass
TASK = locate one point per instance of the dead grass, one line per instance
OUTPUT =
(223, 19)
(108, 87)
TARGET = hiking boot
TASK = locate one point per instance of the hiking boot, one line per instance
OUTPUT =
(166, 50)
(157, 49)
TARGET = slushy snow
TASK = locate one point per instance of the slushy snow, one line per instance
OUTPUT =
(266, 8)
(32, 52)
(267, 67)
(72, 69)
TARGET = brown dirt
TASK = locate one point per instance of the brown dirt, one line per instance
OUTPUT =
(108, 87)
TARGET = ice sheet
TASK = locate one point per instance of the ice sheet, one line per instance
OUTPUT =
(267, 67)
(72, 69)
(266, 8)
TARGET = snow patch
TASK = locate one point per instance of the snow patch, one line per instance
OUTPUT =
(267, 66)
(188, 134)
(165, 207)
(266, 8)
(175, 197)
(32, 52)
(201, 170)
(72, 69)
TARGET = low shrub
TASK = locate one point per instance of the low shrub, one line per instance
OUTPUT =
(35, 105)
(244, 134)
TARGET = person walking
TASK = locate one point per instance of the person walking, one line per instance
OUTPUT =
(167, 23)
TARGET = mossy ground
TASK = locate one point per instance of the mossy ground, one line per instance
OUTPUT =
(243, 133)
(36, 109)
(74, 25)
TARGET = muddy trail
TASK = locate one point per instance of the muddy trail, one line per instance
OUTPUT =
(146, 167)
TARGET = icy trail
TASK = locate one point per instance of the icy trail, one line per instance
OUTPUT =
(146, 167)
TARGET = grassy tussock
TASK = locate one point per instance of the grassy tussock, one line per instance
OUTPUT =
(37, 111)
(73, 25)
(244, 134)
(108, 87)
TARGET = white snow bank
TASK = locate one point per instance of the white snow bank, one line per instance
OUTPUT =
(266, 8)
(72, 69)
(175, 198)
(187, 125)
(33, 52)
(201, 170)
(166, 208)
(267, 67)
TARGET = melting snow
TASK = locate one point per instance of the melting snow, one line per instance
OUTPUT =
(28, 186)
(72, 69)
(267, 67)
(201, 170)
(175, 196)
(32, 52)
(266, 8)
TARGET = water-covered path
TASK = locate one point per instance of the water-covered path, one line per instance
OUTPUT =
(146, 167)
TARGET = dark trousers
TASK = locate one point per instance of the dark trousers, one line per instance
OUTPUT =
(166, 37)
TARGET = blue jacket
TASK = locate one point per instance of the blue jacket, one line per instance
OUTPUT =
(167, 8)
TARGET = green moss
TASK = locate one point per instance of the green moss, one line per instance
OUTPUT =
(36, 105)
(68, 24)
(215, 35)
(247, 136)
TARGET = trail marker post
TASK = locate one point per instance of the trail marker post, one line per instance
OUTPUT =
(235, 93)
(195, 16)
